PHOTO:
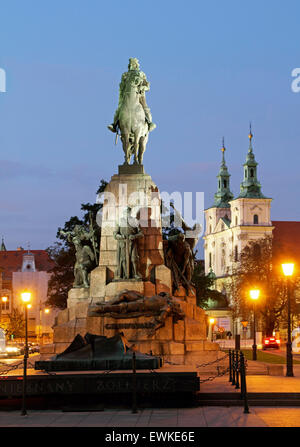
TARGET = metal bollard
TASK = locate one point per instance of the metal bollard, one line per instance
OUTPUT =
(230, 365)
(237, 360)
(134, 403)
(244, 394)
(233, 369)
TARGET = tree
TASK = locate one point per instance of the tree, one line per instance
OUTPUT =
(258, 268)
(62, 252)
(203, 284)
(16, 324)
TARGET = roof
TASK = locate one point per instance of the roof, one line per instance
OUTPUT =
(286, 239)
(11, 261)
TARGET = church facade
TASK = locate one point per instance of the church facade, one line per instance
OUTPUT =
(232, 222)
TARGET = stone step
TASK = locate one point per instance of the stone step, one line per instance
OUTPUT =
(254, 399)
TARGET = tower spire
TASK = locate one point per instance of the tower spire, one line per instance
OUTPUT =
(250, 186)
(2, 248)
(223, 194)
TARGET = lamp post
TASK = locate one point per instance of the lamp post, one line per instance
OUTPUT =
(254, 295)
(26, 297)
(288, 270)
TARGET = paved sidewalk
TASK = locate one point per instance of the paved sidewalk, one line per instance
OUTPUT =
(173, 417)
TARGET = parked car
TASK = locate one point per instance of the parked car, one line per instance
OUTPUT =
(33, 347)
(271, 342)
(13, 350)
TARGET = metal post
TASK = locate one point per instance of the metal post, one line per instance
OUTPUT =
(233, 369)
(230, 366)
(254, 347)
(134, 404)
(289, 353)
(24, 412)
(244, 394)
(237, 342)
(237, 383)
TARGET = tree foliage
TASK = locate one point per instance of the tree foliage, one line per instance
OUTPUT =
(62, 252)
(258, 268)
(16, 324)
(203, 284)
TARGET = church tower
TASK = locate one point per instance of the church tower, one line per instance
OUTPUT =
(251, 210)
(218, 219)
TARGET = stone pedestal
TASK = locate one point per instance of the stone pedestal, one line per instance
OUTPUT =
(184, 342)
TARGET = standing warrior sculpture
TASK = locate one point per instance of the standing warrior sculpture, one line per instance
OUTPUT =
(84, 255)
(127, 255)
(133, 116)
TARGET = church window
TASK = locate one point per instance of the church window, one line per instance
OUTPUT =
(210, 263)
(5, 305)
(236, 220)
(223, 259)
(210, 229)
(252, 172)
(236, 253)
(245, 173)
(255, 219)
(225, 183)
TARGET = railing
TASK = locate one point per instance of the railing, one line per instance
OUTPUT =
(237, 374)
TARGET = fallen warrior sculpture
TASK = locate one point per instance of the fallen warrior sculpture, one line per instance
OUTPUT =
(130, 304)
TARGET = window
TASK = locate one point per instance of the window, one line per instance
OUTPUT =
(210, 263)
(236, 220)
(223, 259)
(225, 183)
(236, 253)
(255, 219)
(5, 305)
(210, 229)
(251, 172)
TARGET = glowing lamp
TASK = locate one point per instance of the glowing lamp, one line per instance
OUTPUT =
(288, 269)
(26, 297)
(254, 294)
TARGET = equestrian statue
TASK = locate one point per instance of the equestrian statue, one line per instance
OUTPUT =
(133, 117)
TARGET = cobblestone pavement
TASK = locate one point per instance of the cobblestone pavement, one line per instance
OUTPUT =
(173, 417)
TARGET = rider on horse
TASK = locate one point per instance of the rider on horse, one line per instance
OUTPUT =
(142, 84)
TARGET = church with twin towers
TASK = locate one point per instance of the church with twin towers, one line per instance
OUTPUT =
(233, 221)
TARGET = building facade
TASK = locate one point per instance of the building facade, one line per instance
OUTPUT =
(232, 222)
(24, 270)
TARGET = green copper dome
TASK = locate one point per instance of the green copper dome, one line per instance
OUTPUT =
(250, 186)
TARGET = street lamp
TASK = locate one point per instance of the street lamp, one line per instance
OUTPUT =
(26, 297)
(3, 300)
(254, 295)
(288, 270)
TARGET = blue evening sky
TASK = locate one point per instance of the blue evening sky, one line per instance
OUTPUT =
(213, 66)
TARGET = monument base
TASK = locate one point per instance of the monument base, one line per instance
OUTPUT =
(178, 343)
